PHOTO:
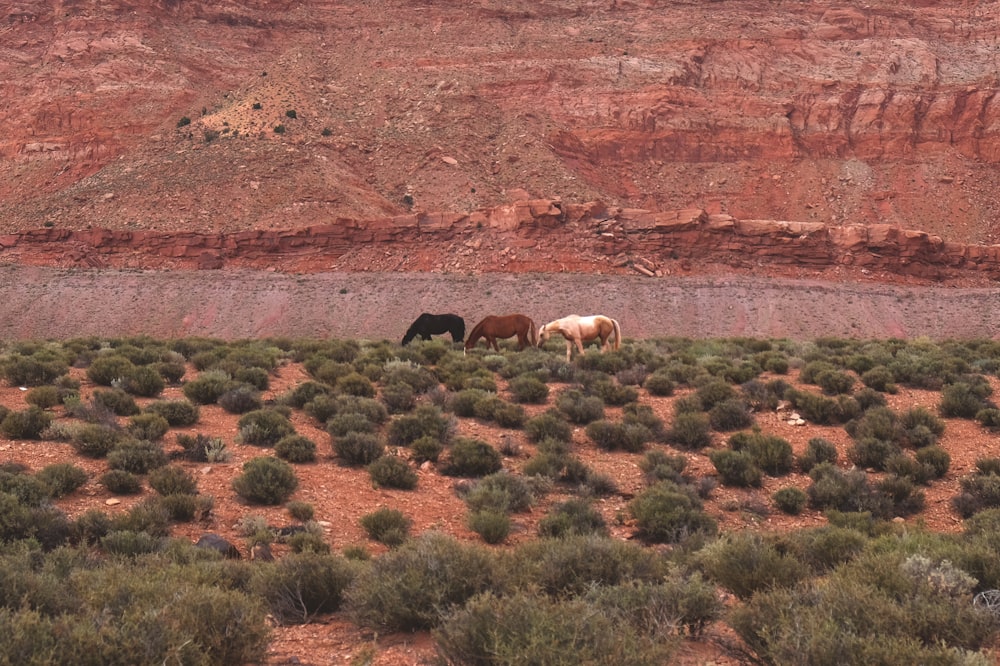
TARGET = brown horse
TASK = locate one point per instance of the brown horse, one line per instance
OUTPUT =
(578, 330)
(493, 327)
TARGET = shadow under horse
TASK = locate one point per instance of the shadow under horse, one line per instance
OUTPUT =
(428, 324)
(506, 326)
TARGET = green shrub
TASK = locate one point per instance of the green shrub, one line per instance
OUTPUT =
(548, 425)
(736, 468)
(659, 465)
(341, 424)
(818, 450)
(500, 492)
(936, 458)
(301, 511)
(203, 448)
(871, 452)
(265, 480)
(387, 526)
(821, 410)
(34, 370)
(173, 480)
(425, 421)
(746, 563)
(834, 382)
(772, 454)
(303, 585)
(667, 513)
(426, 449)
(580, 408)
(129, 543)
(529, 389)
(26, 424)
(398, 397)
(463, 403)
(43, 397)
(575, 564)
(964, 399)
(989, 418)
(356, 384)
(502, 629)
(304, 393)
(207, 387)
(868, 398)
(493, 526)
(612, 393)
(264, 427)
(690, 431)
(572, 517)
(149, 515)
(178, 413)
(61, 478)
(121, 482)
(392, 472)
(94, 440)
(143, 381)
(240, 399)
(116, 400)
(472, 457)
(296, 449)
(731, 414)
(611, 436)
(180, 507)
(416, 585)
(150, 427)
(659, 383)
(358, 448)
(137, 457)
(879, 378)
(109, 368)
(790, 500)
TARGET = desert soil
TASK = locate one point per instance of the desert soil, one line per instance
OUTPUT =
(49, 302)
(45, 302)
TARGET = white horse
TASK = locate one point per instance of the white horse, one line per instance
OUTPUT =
(578, 330)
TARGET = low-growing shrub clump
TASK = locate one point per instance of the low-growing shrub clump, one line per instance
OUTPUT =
(266, 480)
(392, 472)
(264, 427)
(472, 457)
(296, 449)
(178, 413)
(388, 526)
(358, 448)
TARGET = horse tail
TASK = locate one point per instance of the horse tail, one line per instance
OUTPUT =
(532, 333)
(618, 333)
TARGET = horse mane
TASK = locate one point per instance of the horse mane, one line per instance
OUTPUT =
(474, 335)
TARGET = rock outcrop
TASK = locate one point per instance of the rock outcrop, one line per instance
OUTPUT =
(533, 235)
(226, 116)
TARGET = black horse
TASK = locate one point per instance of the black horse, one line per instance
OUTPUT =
(427, 325)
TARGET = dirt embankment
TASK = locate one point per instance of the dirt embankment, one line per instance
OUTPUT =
(44, 302)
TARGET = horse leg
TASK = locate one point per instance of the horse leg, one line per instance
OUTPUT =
(569, 349)
(522, 341)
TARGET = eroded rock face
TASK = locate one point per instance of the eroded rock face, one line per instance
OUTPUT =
(601, 239)
(164, 115)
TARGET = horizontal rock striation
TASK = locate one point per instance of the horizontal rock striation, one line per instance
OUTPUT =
(534, 235)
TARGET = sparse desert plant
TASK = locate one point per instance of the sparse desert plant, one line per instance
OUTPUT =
(150, 427)
(240, 399)
(61, 478)
(296, 449)
(548, 425)
(358, 448)
(492, 525)
(264, 427)
(572, 517)
(818, 450)
(580, 408)
(392, 472)
(668, 513)
(388, 526)
(529, 389)
(472, 457)
(690, 430)
(137, 456)
(121, 482)
(173, 480)
(25, 424)
(266, 480)
(178, 413)
(790, 500)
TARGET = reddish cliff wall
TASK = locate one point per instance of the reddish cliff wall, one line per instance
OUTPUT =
(537, 235)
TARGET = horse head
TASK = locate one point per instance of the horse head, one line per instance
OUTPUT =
(543, 335)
